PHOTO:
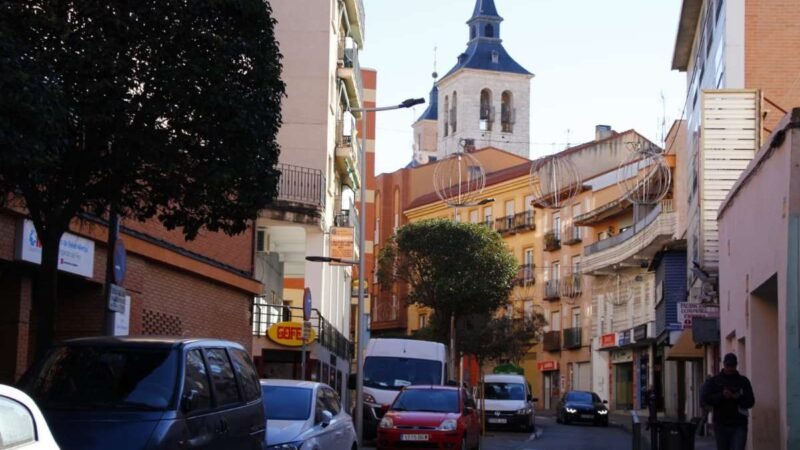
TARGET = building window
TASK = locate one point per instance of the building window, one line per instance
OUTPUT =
(576, 317)
(557, 225)
(473, 216)
(454, 114)
(507, 112)
(486, 110)
(446, 115)
(422, 319)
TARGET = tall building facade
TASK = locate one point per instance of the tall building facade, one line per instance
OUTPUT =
(482, 101)
(739, 85)
(318, 192)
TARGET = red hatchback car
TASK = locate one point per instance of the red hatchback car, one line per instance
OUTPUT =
(430, 417)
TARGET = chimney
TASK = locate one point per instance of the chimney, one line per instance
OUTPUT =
(602, 132)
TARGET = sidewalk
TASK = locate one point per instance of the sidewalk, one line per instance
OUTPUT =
(624, 419)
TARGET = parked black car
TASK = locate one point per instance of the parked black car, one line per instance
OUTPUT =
(137, 393)
(577, 406)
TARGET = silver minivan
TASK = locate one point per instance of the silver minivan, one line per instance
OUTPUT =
(509, 402)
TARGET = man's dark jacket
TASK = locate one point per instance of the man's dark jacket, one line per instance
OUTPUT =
(727, 410)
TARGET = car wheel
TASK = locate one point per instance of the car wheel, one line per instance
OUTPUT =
(605, 422)
(355, 446)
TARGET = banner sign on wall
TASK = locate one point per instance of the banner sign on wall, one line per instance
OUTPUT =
(75, 254)
(688, 310)
(342, 243)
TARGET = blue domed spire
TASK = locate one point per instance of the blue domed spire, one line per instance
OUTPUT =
(485, 49)
(484, 8)
(432, 112)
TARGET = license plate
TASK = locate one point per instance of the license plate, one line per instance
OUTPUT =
(587, 416)
(493, 420)
(414, 437)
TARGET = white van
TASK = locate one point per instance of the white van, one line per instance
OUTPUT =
(508, 401)
(392, 364)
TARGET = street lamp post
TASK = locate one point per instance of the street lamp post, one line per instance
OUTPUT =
(359, 414)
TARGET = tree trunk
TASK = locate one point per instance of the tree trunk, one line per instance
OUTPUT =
(47, 291)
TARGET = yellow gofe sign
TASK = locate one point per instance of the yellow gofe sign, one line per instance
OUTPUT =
(290, 334)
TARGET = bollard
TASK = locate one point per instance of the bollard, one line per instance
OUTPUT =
(636, 431)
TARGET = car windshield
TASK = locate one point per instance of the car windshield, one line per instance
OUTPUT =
(428, 400)
(286, 403)
(504, 391)
(393, 373)
(92, 378)
(579, 397)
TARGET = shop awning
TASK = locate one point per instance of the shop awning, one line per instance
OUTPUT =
(685, 348)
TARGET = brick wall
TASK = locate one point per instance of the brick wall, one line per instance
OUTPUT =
(235, 251)
(771, 64)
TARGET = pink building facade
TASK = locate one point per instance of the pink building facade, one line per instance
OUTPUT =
(759, 226)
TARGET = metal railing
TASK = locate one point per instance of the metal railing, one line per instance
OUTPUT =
(552, 241)
(488, 222)
(518, 222)
(572, 235)
(552, 289)
(301, 185)
(351, 62)
(266, 315)
(572, 338)
(525, 275)
(572, 285)
(605, 244)
(552, 341)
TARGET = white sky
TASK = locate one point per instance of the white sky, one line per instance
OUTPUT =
(594, 61)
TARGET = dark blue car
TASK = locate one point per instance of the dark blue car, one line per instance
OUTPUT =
(137, 393)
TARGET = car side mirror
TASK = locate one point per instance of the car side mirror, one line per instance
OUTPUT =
(530, 398)
(605, 401)
(189, 401)
(351, 381)
(468, 410)
(327, 417)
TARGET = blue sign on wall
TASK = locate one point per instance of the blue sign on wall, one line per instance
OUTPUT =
(624, 338)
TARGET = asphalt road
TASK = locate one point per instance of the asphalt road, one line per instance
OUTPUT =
(552, 436)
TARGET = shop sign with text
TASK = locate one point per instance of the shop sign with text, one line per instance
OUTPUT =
(547, 366)
(688, 310)
(290, 334)
(608, 340)
(75, 254)
(342, 243)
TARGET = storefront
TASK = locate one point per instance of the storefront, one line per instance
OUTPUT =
(622, 375)
(551, 383)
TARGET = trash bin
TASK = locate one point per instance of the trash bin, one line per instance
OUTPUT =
(673, 435)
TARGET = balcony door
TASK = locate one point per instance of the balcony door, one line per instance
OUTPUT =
(576, 317)
(509, 214)
(555, 321)
(557, 225)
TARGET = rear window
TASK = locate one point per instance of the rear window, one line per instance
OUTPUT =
(427, 400)
(247, 374)
(222, 377)
(286, 403)
(92, 378)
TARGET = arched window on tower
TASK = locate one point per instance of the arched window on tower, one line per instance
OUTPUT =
(487, 111)
(489, 31)
(446, 115)
(454, 114)
(507, 112)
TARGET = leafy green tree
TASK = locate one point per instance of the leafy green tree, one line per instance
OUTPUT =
(149, 108)
(454, 268)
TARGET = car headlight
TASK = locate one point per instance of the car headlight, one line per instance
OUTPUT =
(286, 446)
(572, 410)
(602, 412)
(386, 422)
(368, 398)
(523, 411)
(448, 425)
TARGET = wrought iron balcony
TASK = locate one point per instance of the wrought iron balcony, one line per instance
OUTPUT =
(523, 221)
(525, 275)
(301, 186)
(488, 222)
(350, 72)
(552, 241)
(552, 341)
(572, 338)
(572, 285)
(348, 151)
(552, 289)
(572, 235)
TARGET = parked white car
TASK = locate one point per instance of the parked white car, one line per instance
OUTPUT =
(22, 425)
(304, 415)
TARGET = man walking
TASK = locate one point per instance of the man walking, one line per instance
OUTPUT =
(731, 396)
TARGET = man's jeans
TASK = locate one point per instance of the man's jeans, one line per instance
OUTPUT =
(730, 437)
